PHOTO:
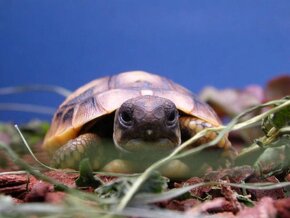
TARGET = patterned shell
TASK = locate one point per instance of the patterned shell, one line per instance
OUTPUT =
(103, 96)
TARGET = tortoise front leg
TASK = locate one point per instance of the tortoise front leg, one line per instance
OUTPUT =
(216, 156)
(192, 125)
(120, 166)
(86, 145)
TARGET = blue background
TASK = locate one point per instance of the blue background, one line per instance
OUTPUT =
(196, 43)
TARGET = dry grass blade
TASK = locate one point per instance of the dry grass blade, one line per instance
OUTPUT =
(13, 173)
(146, 198)
(25, 166)
(31, 88)
(40, 176)
(234, 125)
(30, 107)
(27, 108)
(64, 170)
(156, 213)
(280, 104)
(29, 209)
(30, 151)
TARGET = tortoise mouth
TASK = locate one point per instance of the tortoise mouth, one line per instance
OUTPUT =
(161, 145)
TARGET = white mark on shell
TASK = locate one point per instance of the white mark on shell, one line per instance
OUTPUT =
(146, 92)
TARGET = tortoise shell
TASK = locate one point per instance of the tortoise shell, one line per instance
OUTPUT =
(103, 96)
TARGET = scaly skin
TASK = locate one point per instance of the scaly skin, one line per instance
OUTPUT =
(193, 125)
(89, 145)
(70, 154)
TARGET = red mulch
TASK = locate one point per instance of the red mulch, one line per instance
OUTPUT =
(211, 200)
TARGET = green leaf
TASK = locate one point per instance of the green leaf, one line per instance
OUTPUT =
(87, 177)
(275, 158)
(276, 120)
(246, 200)
(155, 184)
(115, 190)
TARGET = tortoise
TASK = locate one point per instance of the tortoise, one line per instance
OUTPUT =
(132, 116)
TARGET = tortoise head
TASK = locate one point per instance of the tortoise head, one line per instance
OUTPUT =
(147, 123)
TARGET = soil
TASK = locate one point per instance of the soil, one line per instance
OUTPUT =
(222, 200)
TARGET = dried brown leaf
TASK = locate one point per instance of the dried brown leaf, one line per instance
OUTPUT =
(277, 88)
(283, 207)
(259, 194)
(230, 102)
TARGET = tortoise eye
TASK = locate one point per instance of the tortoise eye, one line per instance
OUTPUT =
(126, 118)
(172, 117)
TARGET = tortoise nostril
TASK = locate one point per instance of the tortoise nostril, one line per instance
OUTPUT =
(149, 132)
